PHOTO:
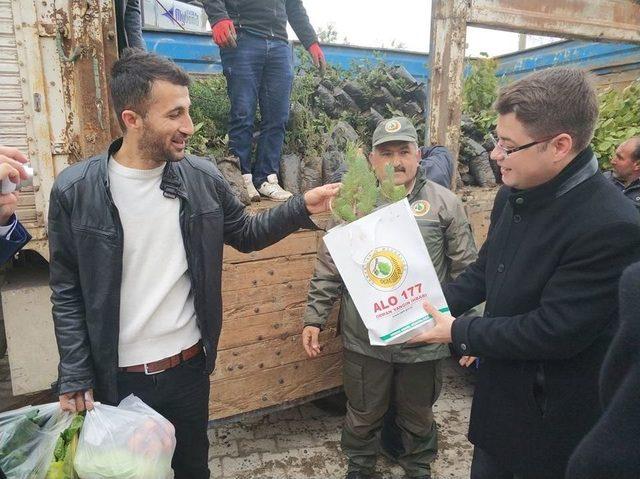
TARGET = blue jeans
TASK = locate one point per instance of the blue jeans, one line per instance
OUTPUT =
(258, 70)
(180, 394)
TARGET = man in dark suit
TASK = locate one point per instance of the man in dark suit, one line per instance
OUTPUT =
(13, 236)
(559, 239)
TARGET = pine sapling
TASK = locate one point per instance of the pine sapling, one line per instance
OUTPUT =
(388, 189)
(359, 192)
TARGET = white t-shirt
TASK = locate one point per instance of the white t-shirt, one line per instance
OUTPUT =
(157, 314)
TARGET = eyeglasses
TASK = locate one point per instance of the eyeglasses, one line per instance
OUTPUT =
(509, 151)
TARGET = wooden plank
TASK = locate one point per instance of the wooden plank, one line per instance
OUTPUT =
(252, 359)
(265, 299)
(275, 386)
(612, 20)
(303, 242)
(261, 327)
(266, 272)
(446, 60)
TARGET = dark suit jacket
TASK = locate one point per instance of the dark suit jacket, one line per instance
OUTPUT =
(548, 271)
(19, 238)
(612, 449)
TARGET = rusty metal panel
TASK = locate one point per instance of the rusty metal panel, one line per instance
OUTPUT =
(612, 20)
(448, 36)
(86, 73)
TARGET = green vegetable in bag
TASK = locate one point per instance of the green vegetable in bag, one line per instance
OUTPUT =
(65, 451)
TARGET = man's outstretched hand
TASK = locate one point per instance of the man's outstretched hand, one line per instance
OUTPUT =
(318, 199)
(441, 332)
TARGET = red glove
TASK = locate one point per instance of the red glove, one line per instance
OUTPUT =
(317, 56)
(224, 34)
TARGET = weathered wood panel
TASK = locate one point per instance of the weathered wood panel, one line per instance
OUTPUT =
(266, 299)
(230, 397)
(612, 20)
(266, 272)
(247, 361)
(261, 327)
(303, 242)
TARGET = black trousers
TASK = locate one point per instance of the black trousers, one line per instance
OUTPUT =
(180, 394)
(485, 466)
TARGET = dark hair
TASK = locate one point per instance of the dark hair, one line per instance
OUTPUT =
(635, 154)
(553, 101)
(132, 78)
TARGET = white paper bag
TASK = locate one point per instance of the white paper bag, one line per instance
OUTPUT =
(387, 269)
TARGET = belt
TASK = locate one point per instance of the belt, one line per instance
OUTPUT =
(156, 367)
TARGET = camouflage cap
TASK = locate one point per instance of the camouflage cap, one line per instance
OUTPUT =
(397, 128)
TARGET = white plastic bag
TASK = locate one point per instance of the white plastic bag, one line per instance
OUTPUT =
(131, 441)
(27, 439)
(386, 267)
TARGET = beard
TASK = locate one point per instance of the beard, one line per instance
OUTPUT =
(155, 147)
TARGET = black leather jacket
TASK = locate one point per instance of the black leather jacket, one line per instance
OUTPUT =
(86, 241)
(267, 18)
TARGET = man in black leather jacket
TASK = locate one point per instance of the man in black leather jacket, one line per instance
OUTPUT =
(136, 237)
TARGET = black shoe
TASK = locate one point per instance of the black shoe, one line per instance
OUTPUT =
(358, 475)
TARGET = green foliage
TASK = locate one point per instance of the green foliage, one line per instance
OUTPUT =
(359, 192)
(388, 189)
(479, 91)
(619, 120)
(305, 135)
(373, 76)
(309, 124)
(210, 112)
(328, 33)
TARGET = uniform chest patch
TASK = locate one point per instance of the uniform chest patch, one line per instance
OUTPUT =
(420, 207)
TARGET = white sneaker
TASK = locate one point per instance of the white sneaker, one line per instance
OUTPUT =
(248, 184)
(272, 190)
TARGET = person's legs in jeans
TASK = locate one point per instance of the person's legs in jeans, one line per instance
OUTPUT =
(484, 466)
(367, 385)
(181, 395)
(242, 67)
(274, 96)
(416, 388)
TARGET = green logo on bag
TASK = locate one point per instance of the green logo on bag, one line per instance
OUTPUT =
(385, 268)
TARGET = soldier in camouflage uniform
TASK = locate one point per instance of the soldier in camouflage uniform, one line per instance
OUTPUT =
(406, 377)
